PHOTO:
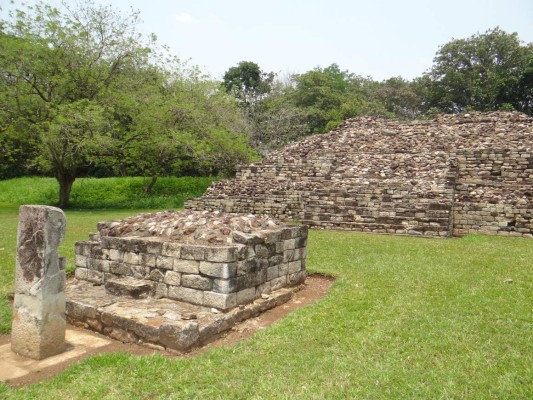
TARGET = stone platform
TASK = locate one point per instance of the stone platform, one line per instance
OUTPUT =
(159, 323)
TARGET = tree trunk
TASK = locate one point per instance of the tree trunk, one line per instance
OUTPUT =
(66, 180)
(148, 189)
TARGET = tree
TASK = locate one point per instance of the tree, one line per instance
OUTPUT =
(59, 63)
(329, 96)
(248, 83)
(487, 71)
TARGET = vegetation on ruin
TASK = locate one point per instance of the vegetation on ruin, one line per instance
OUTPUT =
(406, 318)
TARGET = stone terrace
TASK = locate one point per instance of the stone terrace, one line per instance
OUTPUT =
(174, 279)
(439, 177)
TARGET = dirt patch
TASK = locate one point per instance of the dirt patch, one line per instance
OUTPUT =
(315, 288)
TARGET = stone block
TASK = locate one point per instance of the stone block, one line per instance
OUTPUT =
(139, 272)
(148, 260)
(262, 251)
(196, 282)
(171, 249)
(172, 278)
(189, 295)
(246, 296)
(296, 278)
(294, 266)
(80, 261)
(81, 273)
(222, 254)
(119, 268)
(218, 270)
(190, 252)
(154, 247)
(131, 258)
(164, 262)
(128, 286)
(180, 335)
(116, 255)
(278, 283)
(95, 277)
(272, 272)
(156, 275)
(221, 301)
(187, 266)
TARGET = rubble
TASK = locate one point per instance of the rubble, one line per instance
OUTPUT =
(376, 165)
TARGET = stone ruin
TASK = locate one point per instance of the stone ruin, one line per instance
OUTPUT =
(38, 329)
(177, 279)
(455, 174)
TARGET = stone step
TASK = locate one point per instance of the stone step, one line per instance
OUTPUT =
(159, 323)
(129, 287)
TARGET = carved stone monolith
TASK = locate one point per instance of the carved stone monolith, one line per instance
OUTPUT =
(38, 329)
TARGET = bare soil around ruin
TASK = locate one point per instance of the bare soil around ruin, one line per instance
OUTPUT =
(315, 288)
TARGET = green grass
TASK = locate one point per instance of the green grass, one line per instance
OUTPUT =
(406, 318)
(104, 193)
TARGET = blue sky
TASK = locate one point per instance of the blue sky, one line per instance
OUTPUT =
(378, 38)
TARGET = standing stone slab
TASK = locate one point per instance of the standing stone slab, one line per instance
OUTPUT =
(38, 329)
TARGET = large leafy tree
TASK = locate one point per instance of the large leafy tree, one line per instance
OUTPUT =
(486, 71)
(52, 59)
(248, 83)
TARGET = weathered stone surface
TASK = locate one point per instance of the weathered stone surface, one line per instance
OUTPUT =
(427, 180)
(160, 322)
(129, 286)
(208, 274)
(196, 282)
(38, 329)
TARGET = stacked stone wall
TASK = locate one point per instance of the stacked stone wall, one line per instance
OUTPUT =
(213, 276)
(493, 194)
(381, 208)
(452, 175)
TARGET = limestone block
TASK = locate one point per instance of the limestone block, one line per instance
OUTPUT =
(246, 296)
(156, 276)
(196, 282)
(154, 247)
(172, 278)
(80, 261)
(272, 272)
(116, 255)
(189, 295)
(119, 268)
(81, 273)
(219, 300)
(218, 270)
(131, 258)
(222, 254)
(95, 276)
(180, 335)
(148, 260)
(191, 252)
(278, 283)
(38, 329)
(171, 249)
(186, 266)
(164, 262)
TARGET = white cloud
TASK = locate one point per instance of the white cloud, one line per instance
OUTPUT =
(184, 17)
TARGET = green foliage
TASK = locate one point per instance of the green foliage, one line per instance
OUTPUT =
(248, 83)
(105, 193)
(85, 92)
(484, 72)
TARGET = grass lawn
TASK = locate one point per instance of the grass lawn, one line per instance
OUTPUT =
(406, 318)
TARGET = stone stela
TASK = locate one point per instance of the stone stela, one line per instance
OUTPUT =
(39, 324)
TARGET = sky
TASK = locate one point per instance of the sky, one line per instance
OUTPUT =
(376, 38)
